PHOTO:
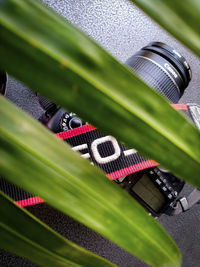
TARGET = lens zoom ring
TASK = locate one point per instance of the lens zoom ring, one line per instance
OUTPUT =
(155, 77)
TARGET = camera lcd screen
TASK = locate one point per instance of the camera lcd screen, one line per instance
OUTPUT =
(149, 193)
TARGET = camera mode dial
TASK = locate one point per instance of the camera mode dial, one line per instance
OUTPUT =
(69, 121)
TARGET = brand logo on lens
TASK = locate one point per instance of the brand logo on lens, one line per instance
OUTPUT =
(167, 66)
(175, 52)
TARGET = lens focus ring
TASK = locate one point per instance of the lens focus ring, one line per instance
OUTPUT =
(162, 70)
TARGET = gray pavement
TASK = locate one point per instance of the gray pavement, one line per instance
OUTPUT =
(122, 30)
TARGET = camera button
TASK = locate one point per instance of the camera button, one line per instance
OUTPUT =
(170, 196)
(158, 181)
(162, 179)
(175, 193)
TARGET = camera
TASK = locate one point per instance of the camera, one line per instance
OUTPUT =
(165, 70)
(156, 189)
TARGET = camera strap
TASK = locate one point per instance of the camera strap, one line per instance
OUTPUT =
(113, 158)
(104, 151)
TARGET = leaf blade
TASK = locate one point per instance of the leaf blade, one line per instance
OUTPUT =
(174, 16)
(96, 202)
(97, 81)
(23, 234)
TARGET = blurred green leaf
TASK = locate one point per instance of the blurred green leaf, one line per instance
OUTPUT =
(33, 158)
(23, 234)
(54, 58)
(180, 18)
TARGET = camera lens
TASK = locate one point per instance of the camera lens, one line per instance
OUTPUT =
(163, 68)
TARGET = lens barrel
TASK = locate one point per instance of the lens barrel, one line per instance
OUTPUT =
(162, 68)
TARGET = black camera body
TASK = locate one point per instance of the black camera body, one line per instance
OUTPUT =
(164, 69)
(60, 120)
(156, 189)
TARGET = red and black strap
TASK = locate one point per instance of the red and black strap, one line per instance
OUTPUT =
(104, 151)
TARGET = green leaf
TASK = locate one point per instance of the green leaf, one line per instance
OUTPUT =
(33, 158)
(23, 234)
(54, 58)
(180, 18)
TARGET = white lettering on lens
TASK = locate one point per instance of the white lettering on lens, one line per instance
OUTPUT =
(167, 66)
(97, 156)
(186, 64)
(177, 53)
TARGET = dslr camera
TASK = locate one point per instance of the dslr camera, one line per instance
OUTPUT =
(156, 189)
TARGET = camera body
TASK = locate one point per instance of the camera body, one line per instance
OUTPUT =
(156, 189)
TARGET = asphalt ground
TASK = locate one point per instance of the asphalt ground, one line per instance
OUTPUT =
(122, 30)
